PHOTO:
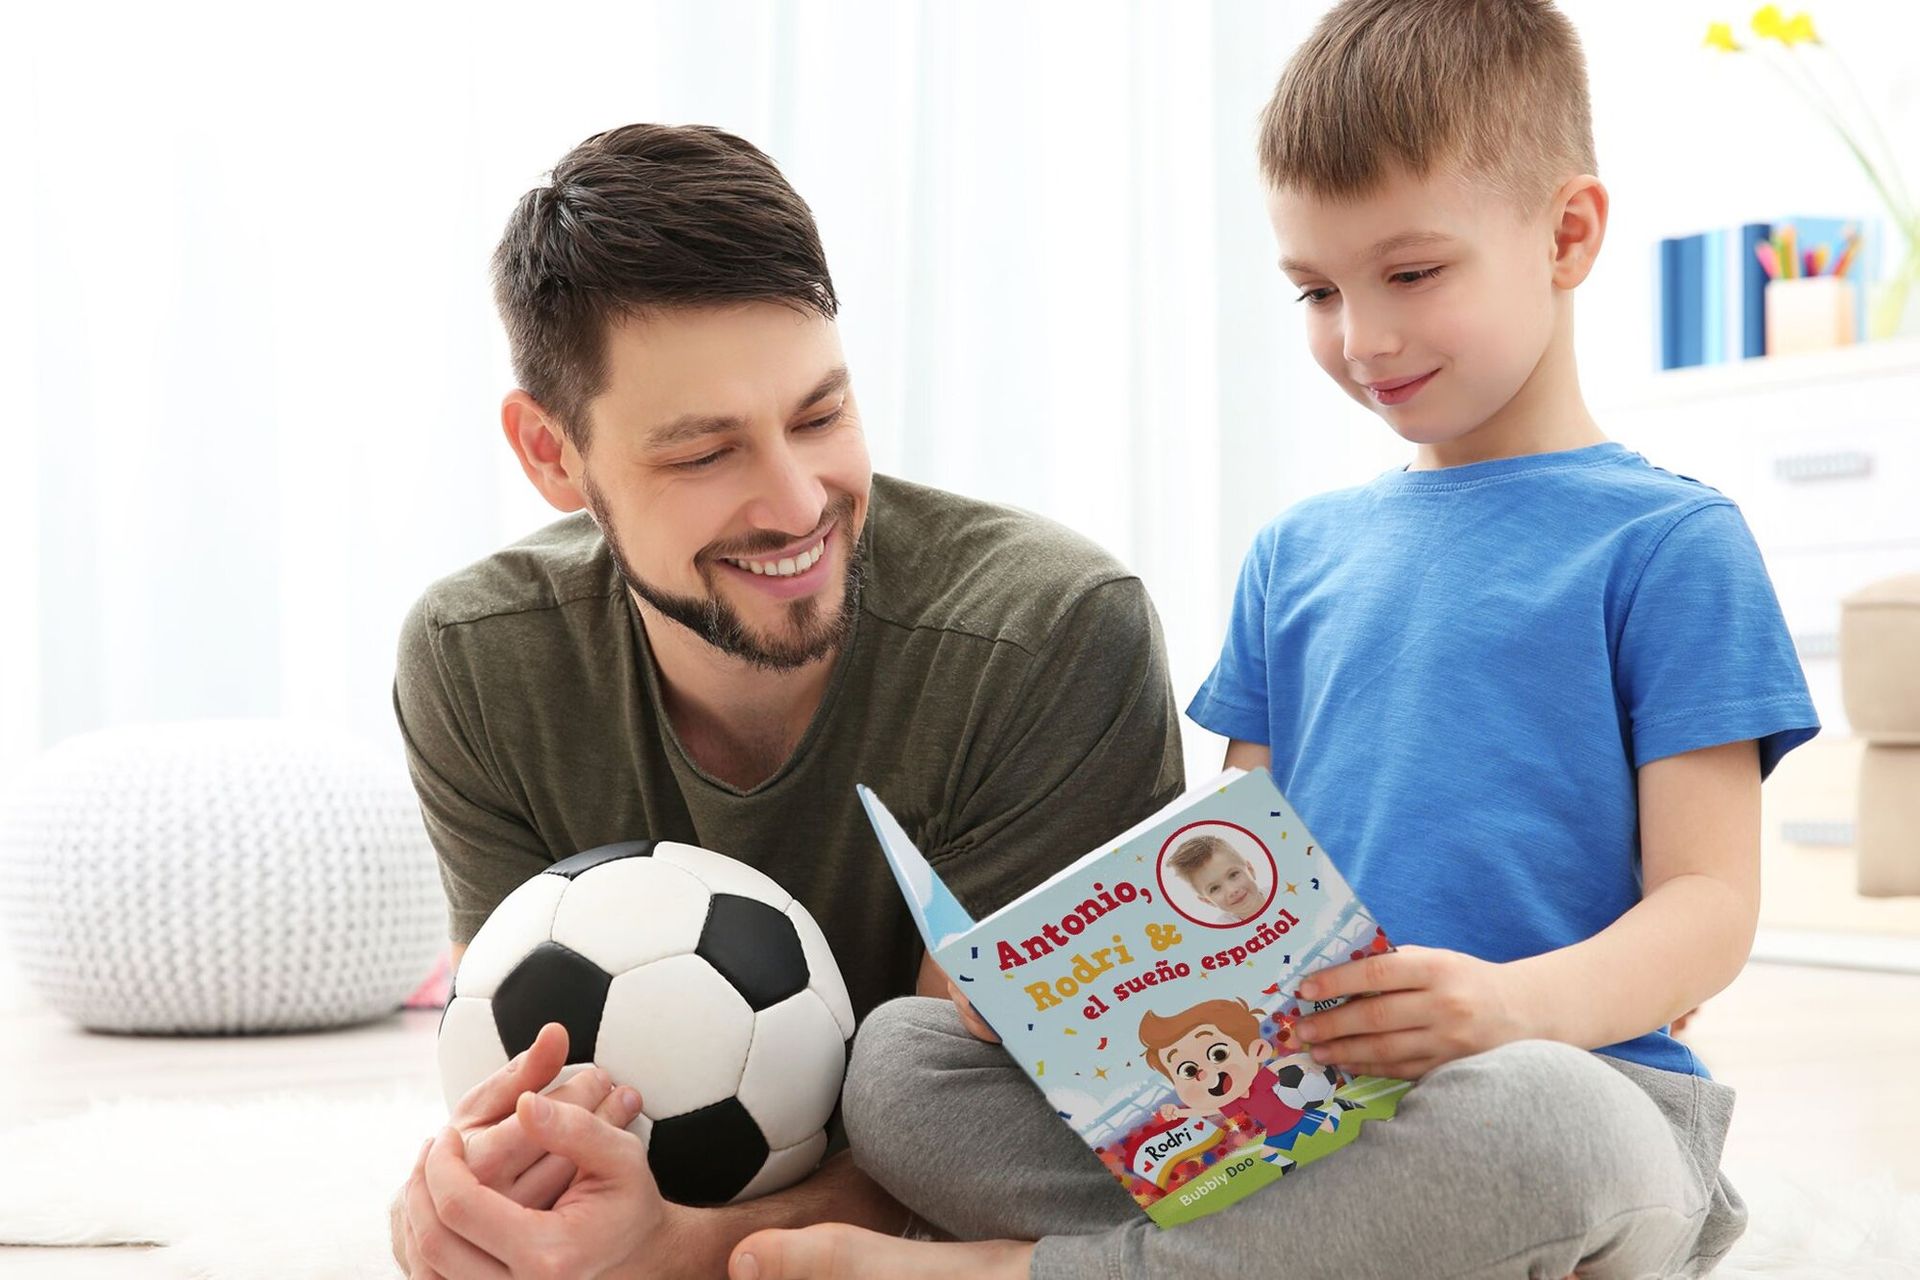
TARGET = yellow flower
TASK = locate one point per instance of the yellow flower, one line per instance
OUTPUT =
(1799, 30)
(1768, 24)
(1720, 36)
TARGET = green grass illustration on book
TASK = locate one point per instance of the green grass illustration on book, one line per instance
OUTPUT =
(1149, 989)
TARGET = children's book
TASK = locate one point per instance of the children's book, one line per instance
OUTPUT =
(1150, 991)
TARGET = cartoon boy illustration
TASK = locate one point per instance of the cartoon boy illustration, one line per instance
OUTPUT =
(1220, 874)
(1213, 1054)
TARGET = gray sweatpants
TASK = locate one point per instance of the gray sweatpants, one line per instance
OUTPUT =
(1531, 1160)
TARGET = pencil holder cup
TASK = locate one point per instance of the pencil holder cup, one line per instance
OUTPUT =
(1809, 313)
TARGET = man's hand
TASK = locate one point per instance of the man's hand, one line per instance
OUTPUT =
(1416, 1008)
(499, 1151)
(609, 1216)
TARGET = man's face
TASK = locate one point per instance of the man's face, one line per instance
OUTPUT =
(1209, 1069)
(1227, 882)
(1431, 301)
(728, 470)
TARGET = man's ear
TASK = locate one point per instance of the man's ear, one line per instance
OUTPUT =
(545, 453)
(1580, 224)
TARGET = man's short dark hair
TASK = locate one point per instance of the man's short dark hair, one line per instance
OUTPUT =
(638, 220)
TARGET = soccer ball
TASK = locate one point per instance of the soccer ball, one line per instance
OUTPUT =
(685, 974)
(1305, 1084)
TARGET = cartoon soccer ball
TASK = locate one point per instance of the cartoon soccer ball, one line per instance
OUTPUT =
(1305, 1084)
(690, 976)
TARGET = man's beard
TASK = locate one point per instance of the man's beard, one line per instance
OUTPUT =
(809, 636)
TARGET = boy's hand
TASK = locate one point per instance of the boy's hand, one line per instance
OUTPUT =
(933, 980)
(1416, 1008)
(975, 1023)
(1168, 1111)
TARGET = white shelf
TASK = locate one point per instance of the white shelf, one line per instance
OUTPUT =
(1888, 357)
(1891, 953)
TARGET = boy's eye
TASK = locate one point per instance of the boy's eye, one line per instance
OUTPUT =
(1314, 296)
(1414, 277)
(1189, 1071)
(1218, 1053)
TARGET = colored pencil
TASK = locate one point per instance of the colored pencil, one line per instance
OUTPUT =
(1846, 253)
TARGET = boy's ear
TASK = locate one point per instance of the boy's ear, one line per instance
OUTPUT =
(1580, 224)
(545, 453)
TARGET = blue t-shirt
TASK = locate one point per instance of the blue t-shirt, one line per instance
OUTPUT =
(1458, 672)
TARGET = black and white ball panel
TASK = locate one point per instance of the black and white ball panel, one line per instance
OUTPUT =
(722, 874)
(823, 971)
(551, 983)
(677, 904)
(707, 1156)
(522, 921)
(678, 1032)
(794, 1068)
(755, 947)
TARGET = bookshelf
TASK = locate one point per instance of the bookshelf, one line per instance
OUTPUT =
(1822, 452)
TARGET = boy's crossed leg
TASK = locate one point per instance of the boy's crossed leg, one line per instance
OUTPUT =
(1529, 1160)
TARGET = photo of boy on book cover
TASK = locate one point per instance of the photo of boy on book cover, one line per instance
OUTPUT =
(1223, 877)
(1226, 1072)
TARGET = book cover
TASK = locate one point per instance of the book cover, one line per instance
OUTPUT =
(1149, 991)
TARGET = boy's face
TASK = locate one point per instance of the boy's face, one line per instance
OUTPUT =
(1227, 882)
(1428, 301)
(1209, 1069)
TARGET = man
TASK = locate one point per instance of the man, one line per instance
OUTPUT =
(739, 623)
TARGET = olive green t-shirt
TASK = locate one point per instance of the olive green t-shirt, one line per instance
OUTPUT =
(1005, 692)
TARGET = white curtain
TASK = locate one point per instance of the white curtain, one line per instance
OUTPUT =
(252, 370)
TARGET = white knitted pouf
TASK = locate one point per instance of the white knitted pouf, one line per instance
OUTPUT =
(218, 877)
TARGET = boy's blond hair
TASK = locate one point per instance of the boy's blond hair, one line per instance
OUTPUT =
(1495, 90)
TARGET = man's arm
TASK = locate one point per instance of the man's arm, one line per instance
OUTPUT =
(1692, 930)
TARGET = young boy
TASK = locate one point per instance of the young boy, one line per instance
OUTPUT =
(1221, 876)
(1525, 690)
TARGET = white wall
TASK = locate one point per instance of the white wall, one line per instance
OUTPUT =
(252, 369)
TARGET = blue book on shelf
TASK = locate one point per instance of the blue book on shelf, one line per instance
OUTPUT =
(1713, 298)
(1691, 293)
(1752, 285)
(1668, 291)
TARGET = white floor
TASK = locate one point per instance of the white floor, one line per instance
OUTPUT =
(1824, 1059)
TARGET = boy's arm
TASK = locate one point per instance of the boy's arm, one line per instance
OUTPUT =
(1683, 941)
(1690, 933)
(1247, 755)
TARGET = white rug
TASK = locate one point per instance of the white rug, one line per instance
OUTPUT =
(296, 1188)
